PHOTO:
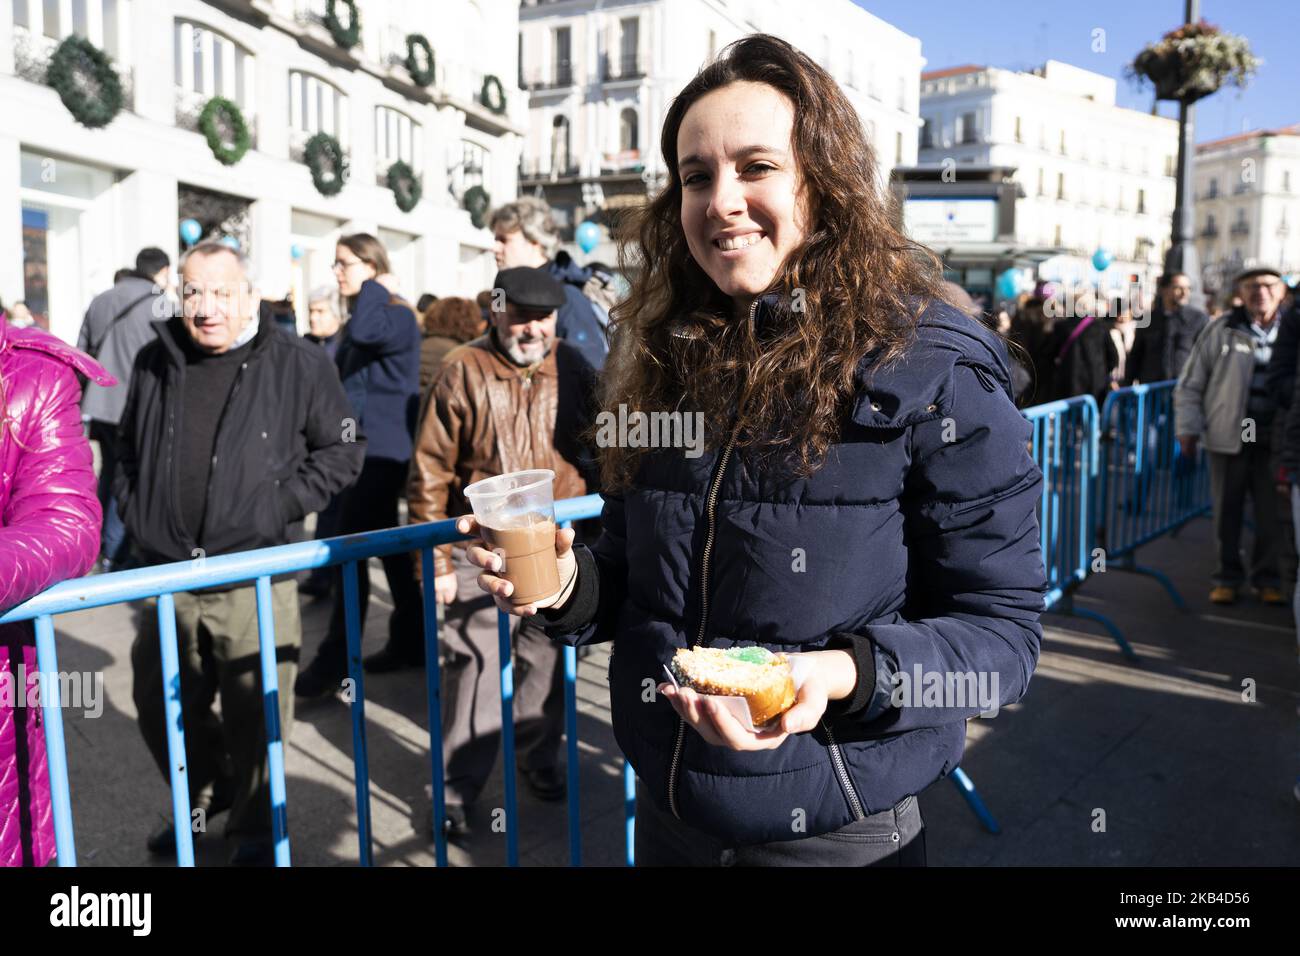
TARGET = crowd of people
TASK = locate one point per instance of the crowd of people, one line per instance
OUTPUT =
(220, 429)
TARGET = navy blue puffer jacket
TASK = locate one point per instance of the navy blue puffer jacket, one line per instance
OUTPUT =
(919, 534)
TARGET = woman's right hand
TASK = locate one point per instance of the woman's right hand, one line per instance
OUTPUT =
(480, 556)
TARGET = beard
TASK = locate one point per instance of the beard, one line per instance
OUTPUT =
(525, 353)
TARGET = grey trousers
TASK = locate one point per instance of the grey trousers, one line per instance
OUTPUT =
(216, 634)
(894, 837)
(471, 690)
(1232, 478)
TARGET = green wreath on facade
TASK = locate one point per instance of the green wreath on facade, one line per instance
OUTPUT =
(83, 76)
(477, 202)
(493, 94)
(420, 76)
(329, 166)
(221, 119)
(349, 36)
(405, 185)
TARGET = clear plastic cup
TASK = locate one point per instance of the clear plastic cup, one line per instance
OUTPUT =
(516, 513)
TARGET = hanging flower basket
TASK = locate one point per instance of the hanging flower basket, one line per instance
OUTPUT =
(477, 202)
(1194, 61)
(349, 36)
(83, 76)
(329, 166)
(227, 133)
(419, 59)
(405, 186)
(493, 94)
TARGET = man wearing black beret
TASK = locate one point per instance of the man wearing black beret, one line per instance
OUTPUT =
(513, 399)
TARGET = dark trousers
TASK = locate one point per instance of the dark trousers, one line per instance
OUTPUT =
(471, 690)
(894, 837)
(217, 642)
(1232, 478)
(371, 505)
(113, 546)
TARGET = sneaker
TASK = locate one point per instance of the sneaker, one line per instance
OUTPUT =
(546, 784)
(1222, 594)
(1273, 596)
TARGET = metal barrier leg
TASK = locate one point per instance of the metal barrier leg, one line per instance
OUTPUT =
(1130, 565)
(271, 713)
(508, 736)
(433, 678)
(967, 789)
(56, 754)
(180, 778)
(360, 755)
(571, 742)
(629, 812)
(1067, 607)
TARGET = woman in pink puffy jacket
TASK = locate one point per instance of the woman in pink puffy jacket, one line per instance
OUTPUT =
(49, 531)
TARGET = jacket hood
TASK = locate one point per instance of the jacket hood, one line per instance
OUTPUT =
(565, 269)
(38, 340)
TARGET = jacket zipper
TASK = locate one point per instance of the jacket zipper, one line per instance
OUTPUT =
(846, 782)
(709, 510)
(710, 506)
(216, 443)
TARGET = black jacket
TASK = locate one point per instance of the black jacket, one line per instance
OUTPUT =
(1280, 377)
(1084, 367)
(282, 449)
(1161, 347)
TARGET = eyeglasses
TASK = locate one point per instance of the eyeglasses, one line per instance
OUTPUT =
(340, 264)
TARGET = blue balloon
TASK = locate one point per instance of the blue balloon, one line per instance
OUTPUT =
(1101, 260)
(295, 251)
(588, 235)
(230, 242)
(190, 231)
(1008, 284)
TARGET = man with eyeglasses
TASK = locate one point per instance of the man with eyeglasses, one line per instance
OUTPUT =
(1223, 402)
(233, 431)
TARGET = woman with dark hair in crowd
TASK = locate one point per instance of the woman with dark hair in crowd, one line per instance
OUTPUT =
(447, 324)
(864, 501)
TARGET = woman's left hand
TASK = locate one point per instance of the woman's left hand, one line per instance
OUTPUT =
(832, 676)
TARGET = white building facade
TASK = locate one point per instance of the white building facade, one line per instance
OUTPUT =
(1248, 204)
(601, 75)
(1092, 175)
(78, 203)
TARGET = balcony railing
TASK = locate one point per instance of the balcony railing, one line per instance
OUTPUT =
(538, 170)
(558, 76)
(622, 68)
(1210, 232)
(32, 53)
(1240, 228)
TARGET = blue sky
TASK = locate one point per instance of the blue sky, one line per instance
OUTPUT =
(1019, 34)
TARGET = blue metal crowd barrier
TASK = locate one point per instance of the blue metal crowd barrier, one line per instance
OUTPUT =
(1148, 487)
(1065, 447)
(163, 581)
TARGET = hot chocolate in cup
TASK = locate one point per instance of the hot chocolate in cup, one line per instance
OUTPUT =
(516, 513)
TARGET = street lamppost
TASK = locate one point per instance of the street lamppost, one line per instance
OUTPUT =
(1181, 256)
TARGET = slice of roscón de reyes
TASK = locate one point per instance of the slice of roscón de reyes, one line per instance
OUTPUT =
(754, 673)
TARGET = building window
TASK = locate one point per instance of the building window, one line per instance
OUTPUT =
(1286, 180)
(1063, 142)
(98, 21)
(927, 134)
(627, 131)
(208, 64)
(316, 106)
(1042, 190)
(898, 149)
(1170, 162)
(713, 43)
(968, 131)
(397, 136)
(474, 169)
(1120, 205)
(1214, 189)
(1060, 185)
(560, 145)
(902, 93)
(1019, 138)
(1142, 201)
(629, 42)
(1056, 236)
(561, 66)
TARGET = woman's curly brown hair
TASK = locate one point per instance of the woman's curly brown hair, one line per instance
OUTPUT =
(454, 318)
(861, 284)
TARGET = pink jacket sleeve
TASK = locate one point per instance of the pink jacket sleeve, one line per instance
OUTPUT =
(49, 531)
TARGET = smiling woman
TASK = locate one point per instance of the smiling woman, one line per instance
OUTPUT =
(864, 505)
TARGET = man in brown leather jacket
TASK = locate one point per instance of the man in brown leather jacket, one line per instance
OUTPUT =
(512, 399)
